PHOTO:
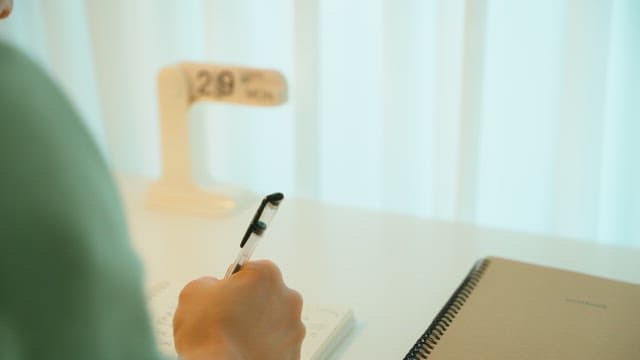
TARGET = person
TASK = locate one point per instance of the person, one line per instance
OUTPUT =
(70, 283)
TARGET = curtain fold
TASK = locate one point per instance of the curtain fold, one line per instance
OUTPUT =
(520, 115)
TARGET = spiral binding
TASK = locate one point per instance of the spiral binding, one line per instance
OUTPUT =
(427, 342)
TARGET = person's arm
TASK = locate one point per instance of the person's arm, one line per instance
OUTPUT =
(252, 315)
(70, 283)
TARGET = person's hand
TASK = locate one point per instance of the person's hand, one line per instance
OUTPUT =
(252, 315)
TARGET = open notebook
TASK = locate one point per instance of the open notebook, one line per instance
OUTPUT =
(326, 325)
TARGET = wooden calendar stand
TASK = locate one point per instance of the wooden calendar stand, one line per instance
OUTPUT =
(179, 87)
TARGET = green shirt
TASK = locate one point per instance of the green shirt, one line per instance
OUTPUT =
(70, 283)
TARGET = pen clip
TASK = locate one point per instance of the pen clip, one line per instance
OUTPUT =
(257, 226)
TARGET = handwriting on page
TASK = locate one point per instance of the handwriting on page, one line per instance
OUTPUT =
(319, 320)
(325, 326)
(235, 84)
(162, 300)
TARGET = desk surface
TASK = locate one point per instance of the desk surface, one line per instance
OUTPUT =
(396, 272)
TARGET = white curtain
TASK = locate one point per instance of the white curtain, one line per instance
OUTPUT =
(522, 115)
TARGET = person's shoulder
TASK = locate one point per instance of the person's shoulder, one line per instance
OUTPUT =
(12, 59)
(9, 52)
(45, 151)
(25, 86)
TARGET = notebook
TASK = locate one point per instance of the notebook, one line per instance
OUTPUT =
(511, 310)
(326, 326)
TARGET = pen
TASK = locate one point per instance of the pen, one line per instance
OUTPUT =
(255, 231)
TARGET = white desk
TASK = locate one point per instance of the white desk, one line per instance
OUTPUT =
(394, 271)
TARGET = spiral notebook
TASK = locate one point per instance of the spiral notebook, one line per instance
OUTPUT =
(511, 310)
(326, 326)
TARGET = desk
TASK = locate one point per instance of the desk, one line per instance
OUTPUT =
(395, 271)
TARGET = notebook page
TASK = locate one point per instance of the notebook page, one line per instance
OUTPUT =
(326, 325)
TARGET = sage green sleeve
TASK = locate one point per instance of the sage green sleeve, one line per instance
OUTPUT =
(70, 283)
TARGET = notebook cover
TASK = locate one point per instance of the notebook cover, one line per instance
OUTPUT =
(511, 310)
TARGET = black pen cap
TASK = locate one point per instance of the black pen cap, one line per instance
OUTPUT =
(275, 198)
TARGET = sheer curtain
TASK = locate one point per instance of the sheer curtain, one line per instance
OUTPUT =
(521, 115)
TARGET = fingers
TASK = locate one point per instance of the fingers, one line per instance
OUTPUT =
(200, 282)
(298, 330)
(265, 271)
(294, 300)
(254, 301)
(196, 286)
